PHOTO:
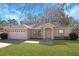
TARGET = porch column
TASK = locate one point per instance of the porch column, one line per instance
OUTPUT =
(43, 33)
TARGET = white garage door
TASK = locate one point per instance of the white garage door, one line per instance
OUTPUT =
(18, 35)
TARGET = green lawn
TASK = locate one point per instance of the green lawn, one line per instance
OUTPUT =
(59, 47)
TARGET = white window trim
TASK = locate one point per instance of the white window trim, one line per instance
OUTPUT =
(61, 31)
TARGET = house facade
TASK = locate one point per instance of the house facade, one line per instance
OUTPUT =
(45, 31)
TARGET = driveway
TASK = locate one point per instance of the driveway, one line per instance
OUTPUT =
(7, 42)
(4, 44)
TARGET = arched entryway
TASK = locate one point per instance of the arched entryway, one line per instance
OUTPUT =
(48, 33)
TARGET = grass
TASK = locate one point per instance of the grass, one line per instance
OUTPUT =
(58, 48)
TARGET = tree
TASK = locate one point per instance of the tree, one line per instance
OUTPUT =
(51, 14)
(25, 22)
(12, 22)
(56, 14)
(3, 22)
(75, 26)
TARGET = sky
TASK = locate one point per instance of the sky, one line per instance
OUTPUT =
(16, 10)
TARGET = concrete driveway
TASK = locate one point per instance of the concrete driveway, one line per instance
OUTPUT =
(7, 42)
(4, 44)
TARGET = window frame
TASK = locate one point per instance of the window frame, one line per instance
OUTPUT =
(62, 33)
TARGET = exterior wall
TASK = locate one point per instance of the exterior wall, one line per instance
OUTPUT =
(66, 31)
(28, 33)
(35, 33)
(25, 33)
(55, 32)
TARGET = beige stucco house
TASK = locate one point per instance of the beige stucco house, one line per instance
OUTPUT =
(45, 31)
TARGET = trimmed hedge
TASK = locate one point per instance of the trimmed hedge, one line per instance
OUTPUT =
(4, 36)
(73, 36)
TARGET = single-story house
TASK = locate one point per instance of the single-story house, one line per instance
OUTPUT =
(45, 31)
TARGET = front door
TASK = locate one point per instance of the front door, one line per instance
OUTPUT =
(48, 33)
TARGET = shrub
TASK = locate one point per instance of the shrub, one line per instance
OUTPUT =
(73, 36)
(4, 35)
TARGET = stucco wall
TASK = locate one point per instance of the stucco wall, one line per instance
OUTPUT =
(66, 31)
(35, 33)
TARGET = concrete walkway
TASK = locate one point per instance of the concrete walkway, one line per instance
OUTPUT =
(31, 42)
(46, 41)
(40, 42)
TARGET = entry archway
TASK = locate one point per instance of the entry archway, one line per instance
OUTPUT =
(48, 33)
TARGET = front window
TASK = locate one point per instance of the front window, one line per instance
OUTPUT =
(61, 32)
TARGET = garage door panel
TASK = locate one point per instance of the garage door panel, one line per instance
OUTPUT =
(18, 35)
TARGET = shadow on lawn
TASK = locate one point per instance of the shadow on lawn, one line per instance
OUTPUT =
(55, 42)
(66, 42)
(63, 42)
